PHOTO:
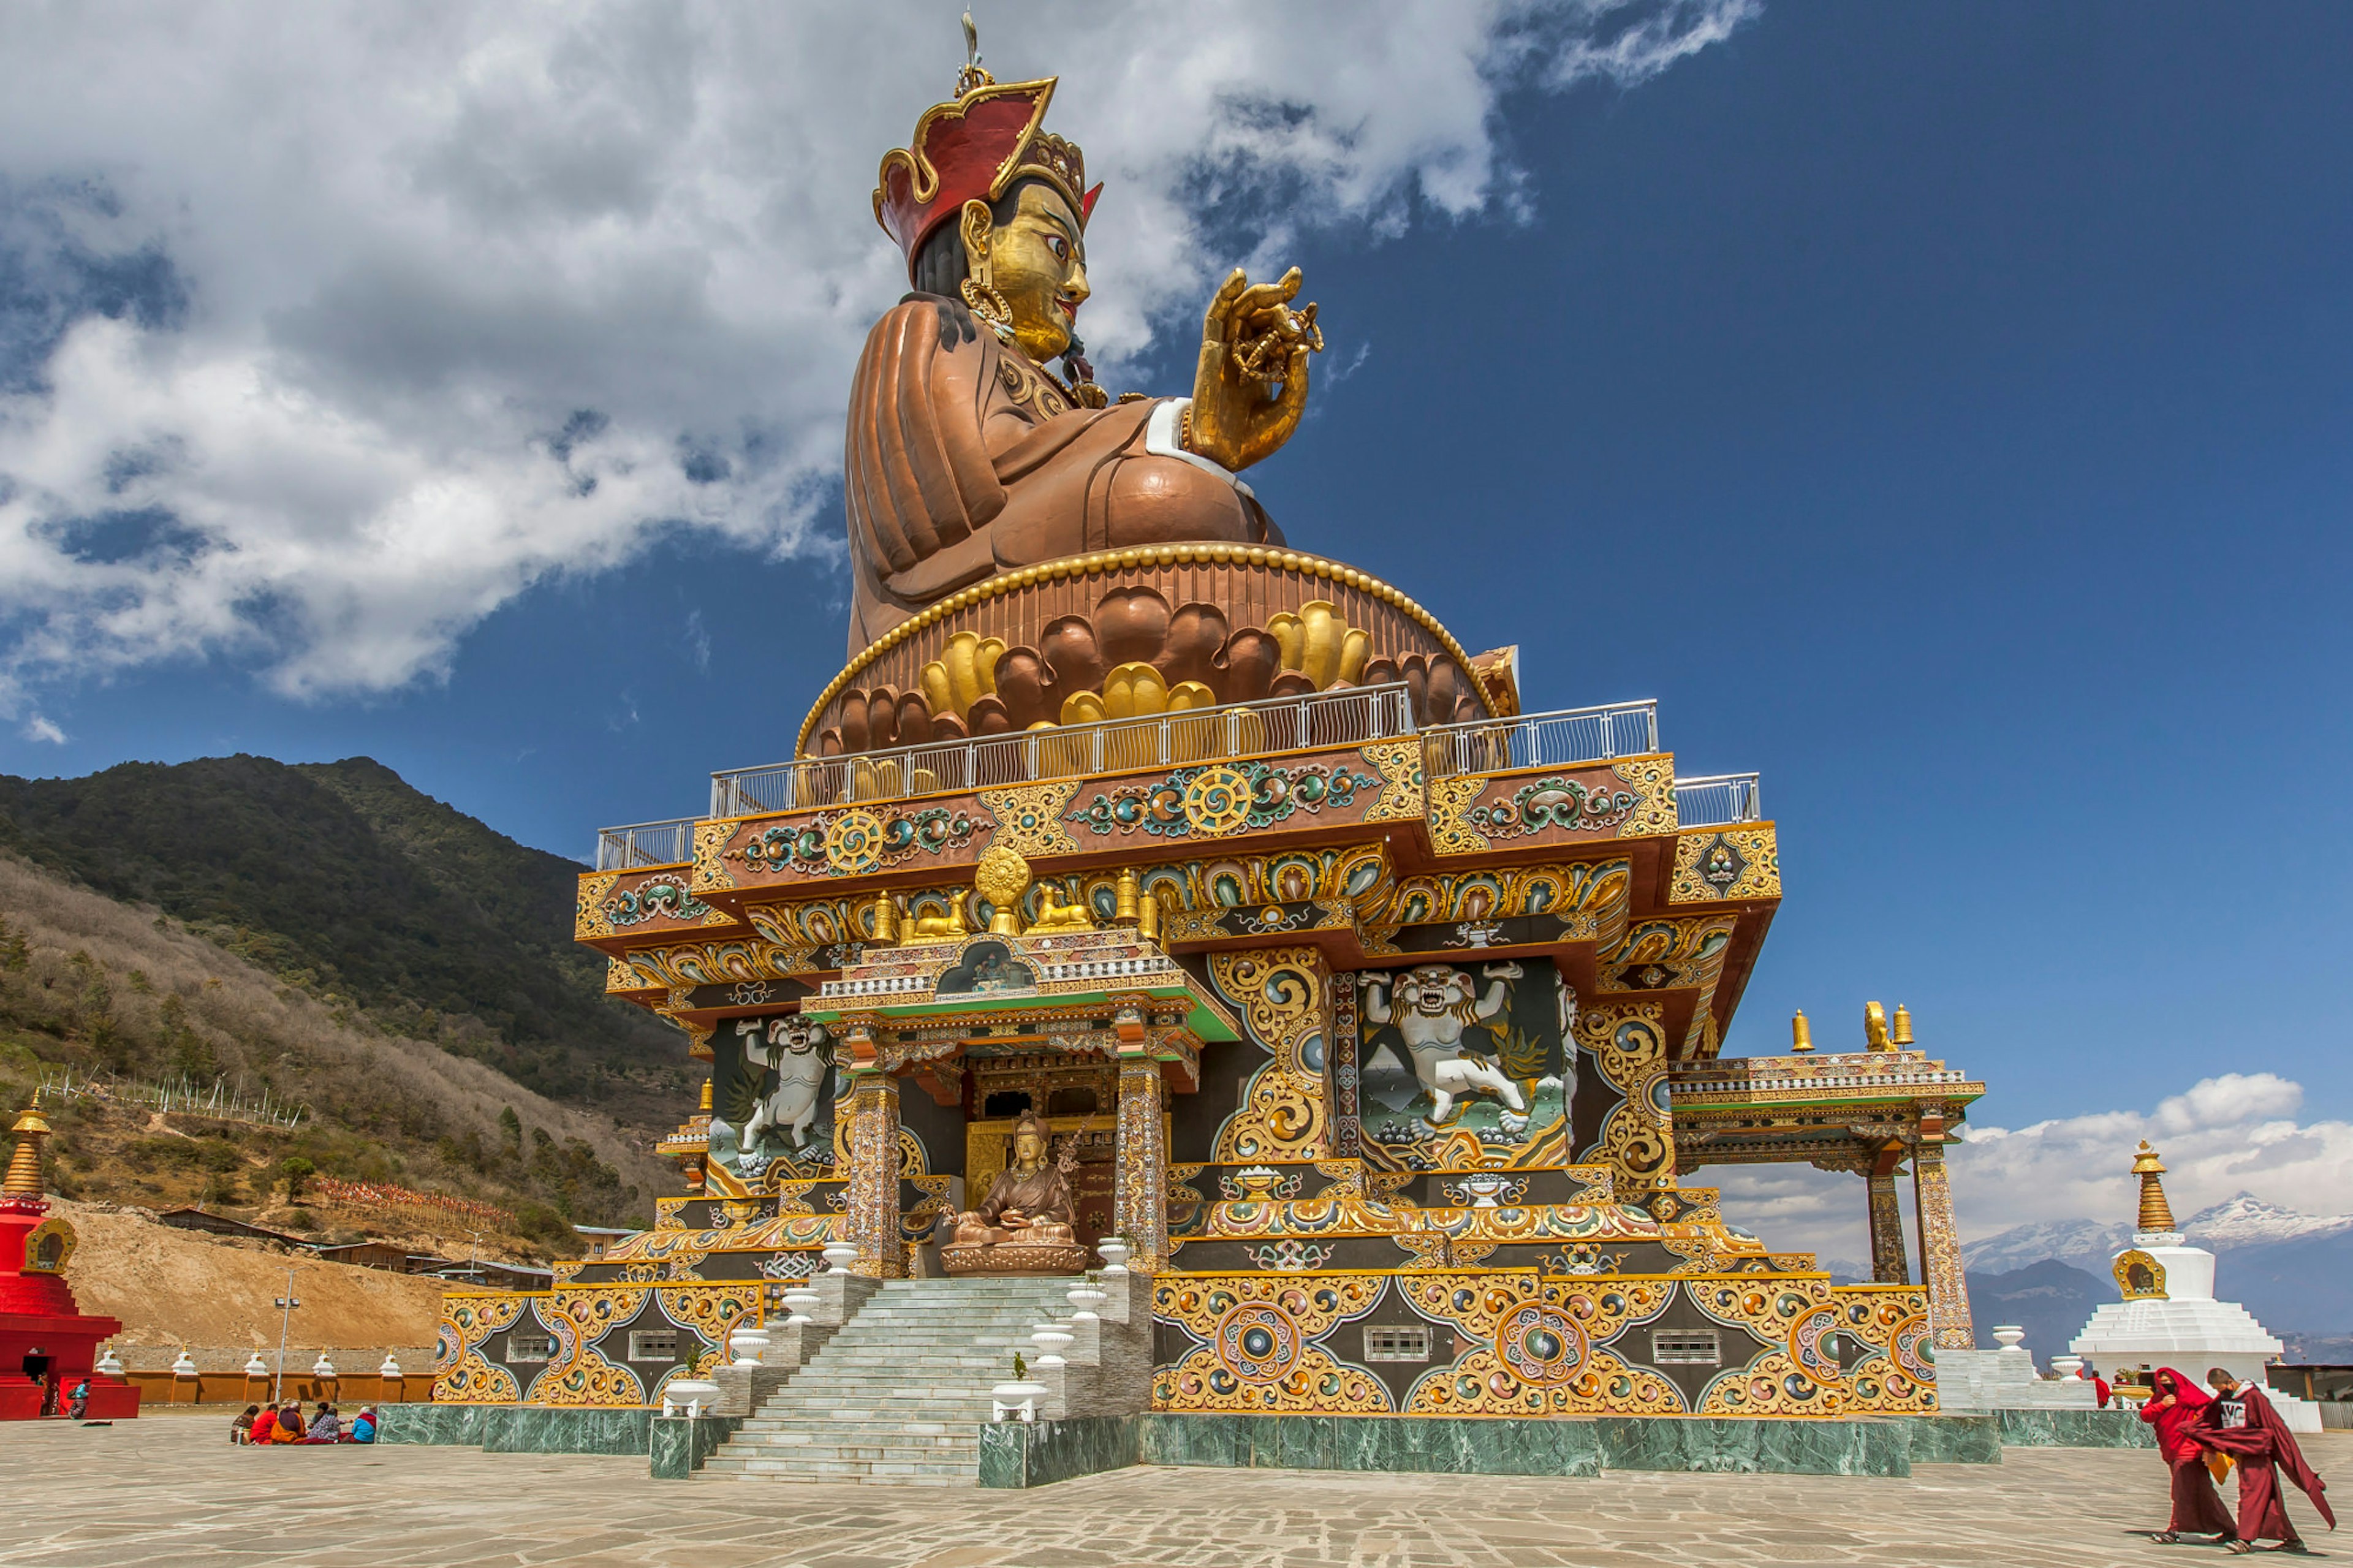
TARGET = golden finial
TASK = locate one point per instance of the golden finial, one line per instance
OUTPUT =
(972, 77)
(1002, 876)
(705, 1107)
(1899, 1033)
(886, 921)
(1801, 1033)
(24, 1178)
(2155, 1213)
(1147, 917)
(1875, 1028)
(1124, 911)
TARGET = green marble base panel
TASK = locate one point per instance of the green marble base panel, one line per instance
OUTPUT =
(518, 1428)
(530, 1429)
(447, 1426)
(1952, 1439)
(2076, 1429)
(1414, 1443)
(680, 1444)
(1019, 1454)
(1756, 1444)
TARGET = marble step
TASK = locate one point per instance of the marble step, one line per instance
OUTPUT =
(813, 1465)
(897, 1445)
(914, 1423)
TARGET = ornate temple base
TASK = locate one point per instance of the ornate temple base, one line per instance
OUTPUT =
(984, 1259)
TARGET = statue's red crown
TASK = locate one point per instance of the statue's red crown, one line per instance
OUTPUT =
(974, 148)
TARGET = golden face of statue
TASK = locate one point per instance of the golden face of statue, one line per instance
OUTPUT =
(1038, 260)
(1029, 1150)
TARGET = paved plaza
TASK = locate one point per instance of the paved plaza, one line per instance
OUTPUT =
(169, 1490)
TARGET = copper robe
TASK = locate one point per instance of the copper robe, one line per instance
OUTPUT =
(963, 458)
(1042, 1195)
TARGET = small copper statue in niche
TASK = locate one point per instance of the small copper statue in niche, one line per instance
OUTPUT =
(1024, 1225)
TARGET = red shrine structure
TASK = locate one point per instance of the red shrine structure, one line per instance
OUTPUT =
(46, 1344)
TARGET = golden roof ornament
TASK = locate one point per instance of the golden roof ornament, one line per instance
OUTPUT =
(1801, 1033)
(972, 77)
(24, 1178)
(2155, 1213)
(1875, 1028)
(1899, 1032)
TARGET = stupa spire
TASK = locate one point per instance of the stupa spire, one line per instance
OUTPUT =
(24, 1178)
(2156, 1215)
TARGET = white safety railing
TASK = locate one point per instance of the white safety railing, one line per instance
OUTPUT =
(1717, 799)
(645, 844)
(1070, 751)
(1542, 739)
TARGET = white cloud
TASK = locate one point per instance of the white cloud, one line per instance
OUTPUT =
(2237, 1132)
(335, 280)
(36, 728)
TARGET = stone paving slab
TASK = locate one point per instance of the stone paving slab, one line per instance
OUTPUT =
(171, 1491)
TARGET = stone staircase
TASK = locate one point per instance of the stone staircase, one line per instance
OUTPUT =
(898, 1395)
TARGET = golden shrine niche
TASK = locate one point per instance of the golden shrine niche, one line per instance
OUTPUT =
(1379, 1018)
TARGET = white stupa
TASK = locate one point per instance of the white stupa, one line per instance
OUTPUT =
(2169, 1316)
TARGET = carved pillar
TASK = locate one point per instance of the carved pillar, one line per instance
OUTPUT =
(1141, 1204)
(1638, 1136)
(1888, 1264)
(1940, 1242)
(873, 1194)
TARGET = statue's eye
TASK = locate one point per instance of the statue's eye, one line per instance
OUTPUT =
(1061, 247)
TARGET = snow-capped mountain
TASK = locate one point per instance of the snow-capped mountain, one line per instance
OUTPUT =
(2237, 1222)
(2247, 1221)
(2082, 1244)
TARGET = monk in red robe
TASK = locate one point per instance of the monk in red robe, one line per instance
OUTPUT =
(2177, 1410)
(2240, 1422)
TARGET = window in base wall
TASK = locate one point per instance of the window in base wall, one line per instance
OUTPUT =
(522, 1348)
(653, 1344)
(1396, 1344)
(1686, 1347)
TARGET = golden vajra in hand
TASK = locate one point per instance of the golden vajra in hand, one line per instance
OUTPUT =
(1251, 388)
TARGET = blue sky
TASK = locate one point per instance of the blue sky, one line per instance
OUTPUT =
(1940, 409)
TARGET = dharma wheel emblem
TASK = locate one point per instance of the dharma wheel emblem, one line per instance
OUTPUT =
(854, 843)
(1258, 1342)
(1540, 1345)
(1218, 800)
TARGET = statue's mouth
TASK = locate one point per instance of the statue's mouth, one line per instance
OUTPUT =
(1069, 306)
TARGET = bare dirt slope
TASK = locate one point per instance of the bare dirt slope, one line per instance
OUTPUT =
(177, 1287)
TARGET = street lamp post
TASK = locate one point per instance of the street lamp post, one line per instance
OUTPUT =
(285, 1305)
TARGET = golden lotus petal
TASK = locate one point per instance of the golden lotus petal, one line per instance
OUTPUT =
(1291, 636)
(1135, 690)
(939, 689)
(1355, 649)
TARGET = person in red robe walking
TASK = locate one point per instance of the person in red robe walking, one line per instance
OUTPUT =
(2177, 1410)
(2240, 1422)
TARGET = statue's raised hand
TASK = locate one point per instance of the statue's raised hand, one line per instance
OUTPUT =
(1251, 387)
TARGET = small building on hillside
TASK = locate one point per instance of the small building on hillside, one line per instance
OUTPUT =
(222, 1225)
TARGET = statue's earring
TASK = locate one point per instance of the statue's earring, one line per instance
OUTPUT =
(990, 306)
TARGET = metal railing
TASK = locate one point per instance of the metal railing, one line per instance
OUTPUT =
(1071, 751)
(1542, 739)
(645, 844)
(1717, 799)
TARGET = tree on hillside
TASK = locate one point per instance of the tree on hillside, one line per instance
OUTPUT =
(296, 1170)
(511, 1125)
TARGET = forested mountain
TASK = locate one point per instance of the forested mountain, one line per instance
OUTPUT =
(346, 883)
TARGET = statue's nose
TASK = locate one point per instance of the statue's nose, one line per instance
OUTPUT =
(1077, 286)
